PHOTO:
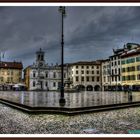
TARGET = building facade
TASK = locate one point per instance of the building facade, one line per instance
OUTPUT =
(41, 76)
(115, 71)
(85, 75)
(10, 74)
(113, 68)
(109, 74)
(106, 75)
(131, 70)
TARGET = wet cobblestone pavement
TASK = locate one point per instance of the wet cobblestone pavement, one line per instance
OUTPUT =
(119, 121)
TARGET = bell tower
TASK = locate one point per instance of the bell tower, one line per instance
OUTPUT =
(40, 61)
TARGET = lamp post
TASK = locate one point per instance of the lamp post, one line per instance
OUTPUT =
(62, 99)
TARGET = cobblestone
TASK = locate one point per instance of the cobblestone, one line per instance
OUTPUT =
(13, 121)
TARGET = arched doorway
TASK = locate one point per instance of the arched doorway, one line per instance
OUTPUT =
(119, 87)
(125, 87)
(136, 87)
(105, 87)
(80, 87)
(97, 88)
(89, 88)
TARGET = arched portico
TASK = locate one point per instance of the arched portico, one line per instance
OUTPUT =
(97, 88)
(89, 88)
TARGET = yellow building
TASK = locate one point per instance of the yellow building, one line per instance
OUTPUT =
(130, 63)
(27, 77)
(10, 73)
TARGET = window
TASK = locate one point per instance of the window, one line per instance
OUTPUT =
(87, 67)
(119, 78)
(11, 79)
(76, 71)
(97, 67)
(108, 71)
(138, 67)
(130, 60)
(108, 78)
(34, 74)
(137, 59)
(8, 79)
(77, 78)
(82, 78)
(128, 77)
(42, 58)
(119, 71)
(129, 69)
(112, 63)
(46, 74)
(132, 77)
(46, 84)
(87, 72)
(115, 78)
(123, 69)
(123, 78)
(123, 62)
(98, 78)
(76, 67)
(33, 83)
(92, 79)
(118, 62)
(112, 78)
(82, 72)
(54, 84)
(54, 75)
(115, 63)
(38, 57)
(97, 72)
(115, 71)
(2, 79)
(133, 68)
(82, 67)
(92, 72)
(92, 67)
(87, 78)
(138, 76)
(112, 72)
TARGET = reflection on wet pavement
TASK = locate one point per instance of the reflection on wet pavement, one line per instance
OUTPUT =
(73, 100)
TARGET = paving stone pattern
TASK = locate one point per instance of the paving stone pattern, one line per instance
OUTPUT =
(13, 121)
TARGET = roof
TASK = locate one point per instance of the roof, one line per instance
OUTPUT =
(118, 51)
(131, 53)
(133, 44)
(11, 65)
(105, 60)
(86, 63)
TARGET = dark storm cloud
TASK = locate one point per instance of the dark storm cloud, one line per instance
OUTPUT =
(101, 29)
(90, 32)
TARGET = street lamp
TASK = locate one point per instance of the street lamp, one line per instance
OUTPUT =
(62, 99)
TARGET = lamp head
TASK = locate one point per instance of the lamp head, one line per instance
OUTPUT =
(62, 10)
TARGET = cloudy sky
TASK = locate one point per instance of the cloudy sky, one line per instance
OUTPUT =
(90, 32)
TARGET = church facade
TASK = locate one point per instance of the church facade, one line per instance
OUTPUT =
(41, 76)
